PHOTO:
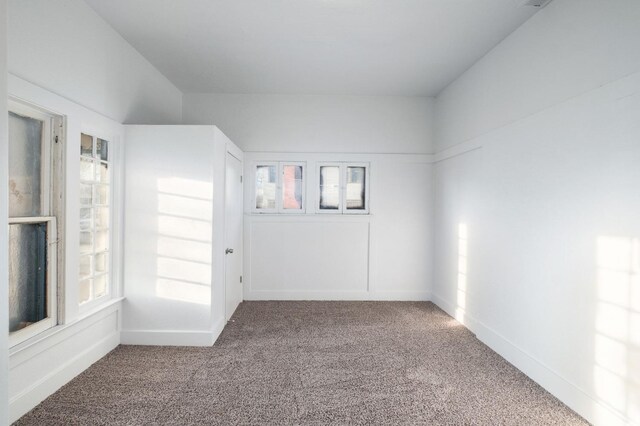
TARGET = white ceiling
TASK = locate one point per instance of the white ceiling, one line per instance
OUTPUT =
(364, 47)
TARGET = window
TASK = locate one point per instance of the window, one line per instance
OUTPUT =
(35, 200)
(342, 188)
(95, 177)
(279, 188)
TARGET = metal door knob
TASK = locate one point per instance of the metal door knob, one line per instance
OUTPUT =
(229, 250)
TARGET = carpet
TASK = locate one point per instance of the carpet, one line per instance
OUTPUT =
(311, 363)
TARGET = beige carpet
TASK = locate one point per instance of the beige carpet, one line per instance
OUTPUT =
(317, 363)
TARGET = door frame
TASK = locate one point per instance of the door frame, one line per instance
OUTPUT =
(236, 153)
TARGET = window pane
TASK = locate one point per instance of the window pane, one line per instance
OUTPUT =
(101, 263)
(102, 217)
(85, 290)
(86, 145)
(27, 274)
(87, 170)
(329, 187)
(103, 173)
(292, 187)
(100, 286)
(102, 149)
(85, 266)
(86, 242)
(355, 188)
(86, 219)
(25, 157)
(86, 194)
(266, 187)
(102, 241)
(94, 219)
(102, 194)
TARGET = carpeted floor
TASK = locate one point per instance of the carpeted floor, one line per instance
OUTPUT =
(315, 363)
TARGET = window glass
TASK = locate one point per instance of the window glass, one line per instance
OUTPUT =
(25, 168)
(27, 274)
(87, 170)
(86, 145)
(292, 187)
(355, 196)
(94, 218)
(102, 149)
(330, 187)
(266, 183)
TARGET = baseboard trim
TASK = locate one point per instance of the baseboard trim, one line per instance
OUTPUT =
(173, 337)
(417, 296)
(578, 400)
(217, 328)
(22, 403)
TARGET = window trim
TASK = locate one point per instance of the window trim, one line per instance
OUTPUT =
(254, 175)
(280, 190)
(279, 207)
(110, 288)
(342, 210)
(53, 198)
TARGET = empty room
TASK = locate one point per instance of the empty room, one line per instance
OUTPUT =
(320, 212)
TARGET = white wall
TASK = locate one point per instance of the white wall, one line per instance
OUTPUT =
(290, 123)
(536, 224)
(4, 255)
(65, 47)
(566, 49)
(174, 235)
(381, 256)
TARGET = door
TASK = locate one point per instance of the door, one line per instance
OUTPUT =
(233, 234)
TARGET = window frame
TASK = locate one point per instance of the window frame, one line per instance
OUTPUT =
(279, 206)
(110, 252)
(342, 210)
(22, 335)
(52, 201)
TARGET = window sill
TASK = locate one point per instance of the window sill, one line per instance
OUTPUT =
(92, 310)
(44, 340)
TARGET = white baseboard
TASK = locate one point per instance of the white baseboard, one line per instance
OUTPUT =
(39, 391)
(575, 398)
(337, 295)
(173, 337)
(217, 328)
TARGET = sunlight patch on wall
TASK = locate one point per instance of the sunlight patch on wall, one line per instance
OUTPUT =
(461, 296)
(617, 341)
(183, 271)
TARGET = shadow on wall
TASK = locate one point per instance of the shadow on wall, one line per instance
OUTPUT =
(461, 296)
(184, 240)
(616, 371)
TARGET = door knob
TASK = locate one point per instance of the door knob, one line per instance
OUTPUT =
(229, 250)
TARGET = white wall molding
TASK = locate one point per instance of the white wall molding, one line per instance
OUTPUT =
(168, 337)
(456, 150)
(23, 402)
(41, 343)
(217, 328)
(4, 226)
(339, 295)
(173, 337)
(574, 397)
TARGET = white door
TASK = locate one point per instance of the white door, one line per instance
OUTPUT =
(233, 235)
